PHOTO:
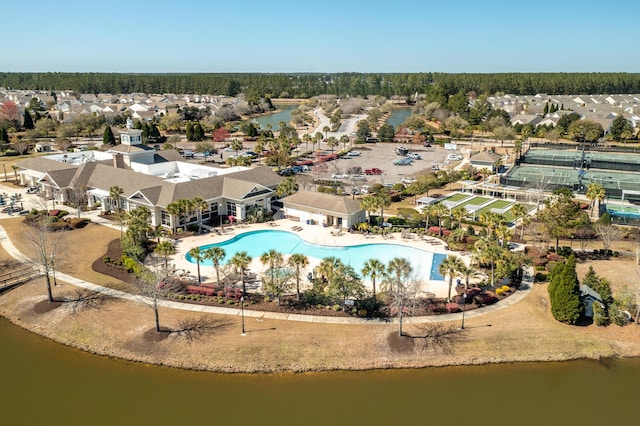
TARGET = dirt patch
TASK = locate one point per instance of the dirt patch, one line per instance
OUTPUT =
(46, 306)
(153, 336)
(400, 344)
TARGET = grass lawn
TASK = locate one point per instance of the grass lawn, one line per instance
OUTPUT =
(457, 197)
(476, 201)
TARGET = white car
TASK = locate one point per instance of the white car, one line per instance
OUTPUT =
(407, 180)
(353, 154)
(454, 157)
(414, 156)
(339, 176)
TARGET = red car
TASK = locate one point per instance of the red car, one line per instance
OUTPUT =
(373, 171)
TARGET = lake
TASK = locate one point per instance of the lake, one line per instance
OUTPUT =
(47, 383)
(398, 116)
(274, 119)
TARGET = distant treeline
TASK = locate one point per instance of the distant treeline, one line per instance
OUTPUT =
(340, 84)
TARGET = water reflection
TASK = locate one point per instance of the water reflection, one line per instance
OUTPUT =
(47, 383)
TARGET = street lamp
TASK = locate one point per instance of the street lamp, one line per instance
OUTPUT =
(242, 313)
(464, 305)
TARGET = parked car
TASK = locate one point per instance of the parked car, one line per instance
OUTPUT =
(33, 190)
(355, 191)
(339, 176)
(414, 156)
(373, 171)
(365, 189)
(353, 154)
(454, 157)
(187, 153)
(401, 150)
(403, 162)
(407, 180)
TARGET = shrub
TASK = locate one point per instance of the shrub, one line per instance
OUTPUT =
(540, 277)
(499, 291)
(231, 302)
(131, 265)
(452, 307)
(506, 288)
(336, 307)
(106, 259)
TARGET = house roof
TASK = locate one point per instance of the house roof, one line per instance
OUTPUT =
(586, 291)
(485, 157)
(321, 201)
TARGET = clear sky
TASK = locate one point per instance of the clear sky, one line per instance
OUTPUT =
(320, 36)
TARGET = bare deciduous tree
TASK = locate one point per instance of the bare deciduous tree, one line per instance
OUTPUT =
(46, 245)
(608, 233)
(153, 286)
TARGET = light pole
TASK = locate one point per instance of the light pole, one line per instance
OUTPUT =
(464, 305)
(242, 313)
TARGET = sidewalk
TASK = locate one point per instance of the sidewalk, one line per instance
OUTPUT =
(527, 284)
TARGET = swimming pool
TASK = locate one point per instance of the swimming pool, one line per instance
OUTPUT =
(255, 243)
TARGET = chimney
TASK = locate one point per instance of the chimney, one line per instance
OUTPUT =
(118, 161)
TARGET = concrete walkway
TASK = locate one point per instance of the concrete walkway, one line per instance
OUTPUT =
(527, 283)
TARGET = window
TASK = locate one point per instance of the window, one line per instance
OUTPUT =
(231, 208)
(165, 218)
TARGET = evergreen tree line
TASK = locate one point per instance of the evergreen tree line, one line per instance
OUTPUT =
(340, 84)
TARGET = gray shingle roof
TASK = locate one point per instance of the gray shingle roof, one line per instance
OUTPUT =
(306, 200)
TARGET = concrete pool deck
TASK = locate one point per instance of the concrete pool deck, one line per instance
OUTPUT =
(314, 234)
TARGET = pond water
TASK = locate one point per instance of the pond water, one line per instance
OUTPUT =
(398, 116)
(47, 383)
(274, 119)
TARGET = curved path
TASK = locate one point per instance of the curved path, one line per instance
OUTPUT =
(11, 249)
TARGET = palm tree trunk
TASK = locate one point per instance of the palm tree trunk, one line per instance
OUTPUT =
(157, 315)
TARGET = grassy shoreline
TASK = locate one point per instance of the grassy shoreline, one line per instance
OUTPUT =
(523, 332)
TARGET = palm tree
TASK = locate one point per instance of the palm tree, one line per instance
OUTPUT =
(450, 266)
(165, 249)
(298, 261)
(197, 254)
(216, 254)
(427, 213)
(595, 191)
(504, 234)
(326, 130)
(114, 196)
(175, 209)
(488, 251)
(399, 269)
(273, 259)
(200, 205)
(332, 142)
(519, 210)
(440, 211)
(345, 140)
(306, 138)
(383, 199)
(241, 261)
(327, 268)
(287, 187)
(468, 272)
(15, 172)
(458, 214)
(373, 268)
(236, 145)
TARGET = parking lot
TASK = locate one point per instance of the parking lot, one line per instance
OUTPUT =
(382, 156)
(378, 155)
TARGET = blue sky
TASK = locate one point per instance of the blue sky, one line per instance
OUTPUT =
(321, 36)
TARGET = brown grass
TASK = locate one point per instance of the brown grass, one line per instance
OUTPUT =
(522, 332)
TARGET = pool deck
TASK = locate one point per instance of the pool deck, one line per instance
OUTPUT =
(314, 234)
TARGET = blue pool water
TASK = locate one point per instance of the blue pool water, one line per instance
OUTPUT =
(255, 243)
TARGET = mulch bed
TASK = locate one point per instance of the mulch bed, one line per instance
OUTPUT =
(46, 306)
(114, 251)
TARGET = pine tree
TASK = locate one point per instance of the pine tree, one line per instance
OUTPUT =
(28, 121)
(564, 292)
(545, 111)
(4, 136)
(107, 137)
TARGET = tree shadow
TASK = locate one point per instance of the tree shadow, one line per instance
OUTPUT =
(192, 329)
(45, 306)
(86, 299)
(440, 338)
